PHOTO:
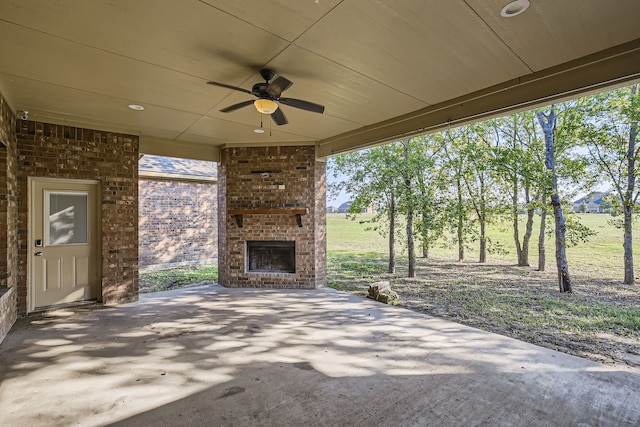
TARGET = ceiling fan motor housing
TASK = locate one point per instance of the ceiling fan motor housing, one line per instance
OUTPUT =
(260, 90)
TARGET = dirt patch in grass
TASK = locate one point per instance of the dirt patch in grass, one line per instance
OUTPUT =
(600, 320)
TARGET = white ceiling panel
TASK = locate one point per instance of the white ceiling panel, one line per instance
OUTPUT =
(431, 50)
(43, 100)
(552, 32)
(382, 69)
(191, 37)
(285, 18)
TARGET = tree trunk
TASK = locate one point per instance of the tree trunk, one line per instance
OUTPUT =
(542, 254)
(460, 227)
(425, 236)
(482, 216)
(564, 280)
(425, 246)
(548, 124)
(410, 244)
(523, 259)
(483, 240)
(392, 236)
(514, 213)
(629, 278)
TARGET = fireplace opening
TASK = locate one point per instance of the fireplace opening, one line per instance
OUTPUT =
(271, 256)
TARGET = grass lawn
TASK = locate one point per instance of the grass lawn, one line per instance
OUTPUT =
(601, 256)
(600, 320)
(179, 277)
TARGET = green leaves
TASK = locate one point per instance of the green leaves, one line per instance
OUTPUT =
(464, 178)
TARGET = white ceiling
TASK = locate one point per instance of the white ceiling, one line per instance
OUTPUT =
(381, 68)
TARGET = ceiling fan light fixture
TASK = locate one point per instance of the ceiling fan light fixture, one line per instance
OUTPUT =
(514, 8)
(265, 106)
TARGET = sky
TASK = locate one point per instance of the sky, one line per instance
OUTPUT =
(341, 198)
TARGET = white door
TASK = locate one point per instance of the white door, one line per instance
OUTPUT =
(64, 246)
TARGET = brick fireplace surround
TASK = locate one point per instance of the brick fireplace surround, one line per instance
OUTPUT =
(268, 186)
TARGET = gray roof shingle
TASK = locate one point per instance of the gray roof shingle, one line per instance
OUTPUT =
(175, 166)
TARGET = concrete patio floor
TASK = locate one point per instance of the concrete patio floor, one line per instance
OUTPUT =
(214, 356)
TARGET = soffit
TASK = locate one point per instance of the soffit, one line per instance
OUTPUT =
(371, 63)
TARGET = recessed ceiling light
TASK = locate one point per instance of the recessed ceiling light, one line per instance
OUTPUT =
(136, 107)
(258, 130)
(514, 8)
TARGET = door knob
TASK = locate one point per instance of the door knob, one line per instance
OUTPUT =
(38, 254)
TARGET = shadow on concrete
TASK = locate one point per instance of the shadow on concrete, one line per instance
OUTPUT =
(216, 356)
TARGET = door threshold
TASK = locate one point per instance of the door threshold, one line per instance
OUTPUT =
(66, 307)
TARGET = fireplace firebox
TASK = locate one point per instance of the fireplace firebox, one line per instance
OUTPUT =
(271, 256)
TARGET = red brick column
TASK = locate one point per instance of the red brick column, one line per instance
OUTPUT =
(8, 197)
(8, 219)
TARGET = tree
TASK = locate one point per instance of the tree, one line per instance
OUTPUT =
(433, 217)
(458, 206)
(606, 205)
(542, 252)
(520, 167)
(611, 136)
(370, 177)
(408, 197)
(583, 207)
(416, 164)
(479, 179)
(429, 187)
(548, 122)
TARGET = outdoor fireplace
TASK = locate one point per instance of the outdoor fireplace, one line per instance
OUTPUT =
(272, 223)
(271, 256)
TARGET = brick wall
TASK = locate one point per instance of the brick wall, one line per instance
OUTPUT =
(242, 186)
(320, 220)
(46, 150)
(8, 218)
(8, 310)
(178, 222)
(8, 196)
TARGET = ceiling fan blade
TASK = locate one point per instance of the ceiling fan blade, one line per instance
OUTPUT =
(279, 85)
(304, 105)
(279, 117)
(237, 106)
(239, 89)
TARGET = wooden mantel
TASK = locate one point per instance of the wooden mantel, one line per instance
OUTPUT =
(238, 213)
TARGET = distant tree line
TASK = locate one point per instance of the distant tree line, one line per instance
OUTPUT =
(458, 181)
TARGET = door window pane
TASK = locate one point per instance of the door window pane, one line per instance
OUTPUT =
(66, 218)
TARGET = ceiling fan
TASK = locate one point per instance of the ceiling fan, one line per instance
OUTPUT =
(268, 95)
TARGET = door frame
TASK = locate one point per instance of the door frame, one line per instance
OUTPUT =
(31, 249)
